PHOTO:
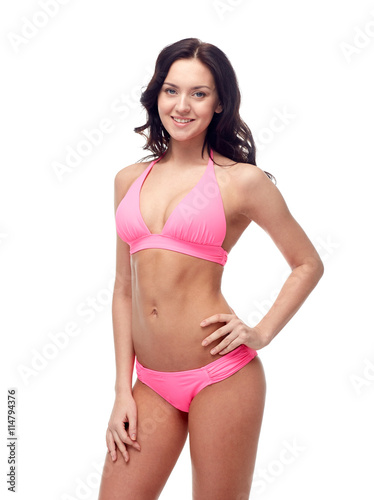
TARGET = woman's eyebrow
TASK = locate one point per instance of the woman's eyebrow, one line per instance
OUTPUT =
(192, 88)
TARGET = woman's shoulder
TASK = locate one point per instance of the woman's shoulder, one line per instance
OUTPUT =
(126, 176)
(133, 170)
(240, 174)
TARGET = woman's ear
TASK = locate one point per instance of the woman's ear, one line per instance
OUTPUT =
(219, 108)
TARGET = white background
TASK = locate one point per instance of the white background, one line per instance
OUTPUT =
(312, 62)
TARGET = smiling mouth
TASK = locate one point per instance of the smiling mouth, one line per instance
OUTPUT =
(182, 120)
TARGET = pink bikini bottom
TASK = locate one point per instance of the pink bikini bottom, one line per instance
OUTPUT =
(179, 388)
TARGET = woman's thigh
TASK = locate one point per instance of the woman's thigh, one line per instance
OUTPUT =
(224, 424)
(162, 433)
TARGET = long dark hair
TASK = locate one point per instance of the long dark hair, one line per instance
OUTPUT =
(227, 133)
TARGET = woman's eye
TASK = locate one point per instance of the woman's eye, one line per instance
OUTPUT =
(173, 92)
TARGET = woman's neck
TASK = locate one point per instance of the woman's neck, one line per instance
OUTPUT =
(186, 152)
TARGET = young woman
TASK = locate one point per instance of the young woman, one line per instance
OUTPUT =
(177, 218)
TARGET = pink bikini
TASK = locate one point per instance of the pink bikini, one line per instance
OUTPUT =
(196, 227)
(179, 388)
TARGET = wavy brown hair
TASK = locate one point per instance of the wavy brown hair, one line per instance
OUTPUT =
(227, 133)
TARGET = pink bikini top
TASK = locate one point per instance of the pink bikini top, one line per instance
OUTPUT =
(196, 226)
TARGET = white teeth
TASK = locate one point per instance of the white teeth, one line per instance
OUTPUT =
(181, 121)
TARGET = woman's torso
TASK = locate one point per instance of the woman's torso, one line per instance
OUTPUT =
(173, 292)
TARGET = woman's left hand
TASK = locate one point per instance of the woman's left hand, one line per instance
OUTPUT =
(236, 331)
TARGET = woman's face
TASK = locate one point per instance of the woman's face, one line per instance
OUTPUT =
(188, 100)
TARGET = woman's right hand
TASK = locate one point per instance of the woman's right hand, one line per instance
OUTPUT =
(122, 427)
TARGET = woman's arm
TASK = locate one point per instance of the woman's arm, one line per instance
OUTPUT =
(121, 318)
(265, 205)
(262, 202)
(122, 301)
(124, 409)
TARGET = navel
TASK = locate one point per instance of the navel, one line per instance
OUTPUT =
(154, 312)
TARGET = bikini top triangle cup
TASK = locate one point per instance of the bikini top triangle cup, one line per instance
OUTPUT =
(196, 226)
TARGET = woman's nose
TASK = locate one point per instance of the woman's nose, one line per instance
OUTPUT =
(183, 105)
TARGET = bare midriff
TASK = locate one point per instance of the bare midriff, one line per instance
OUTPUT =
(171, 294)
